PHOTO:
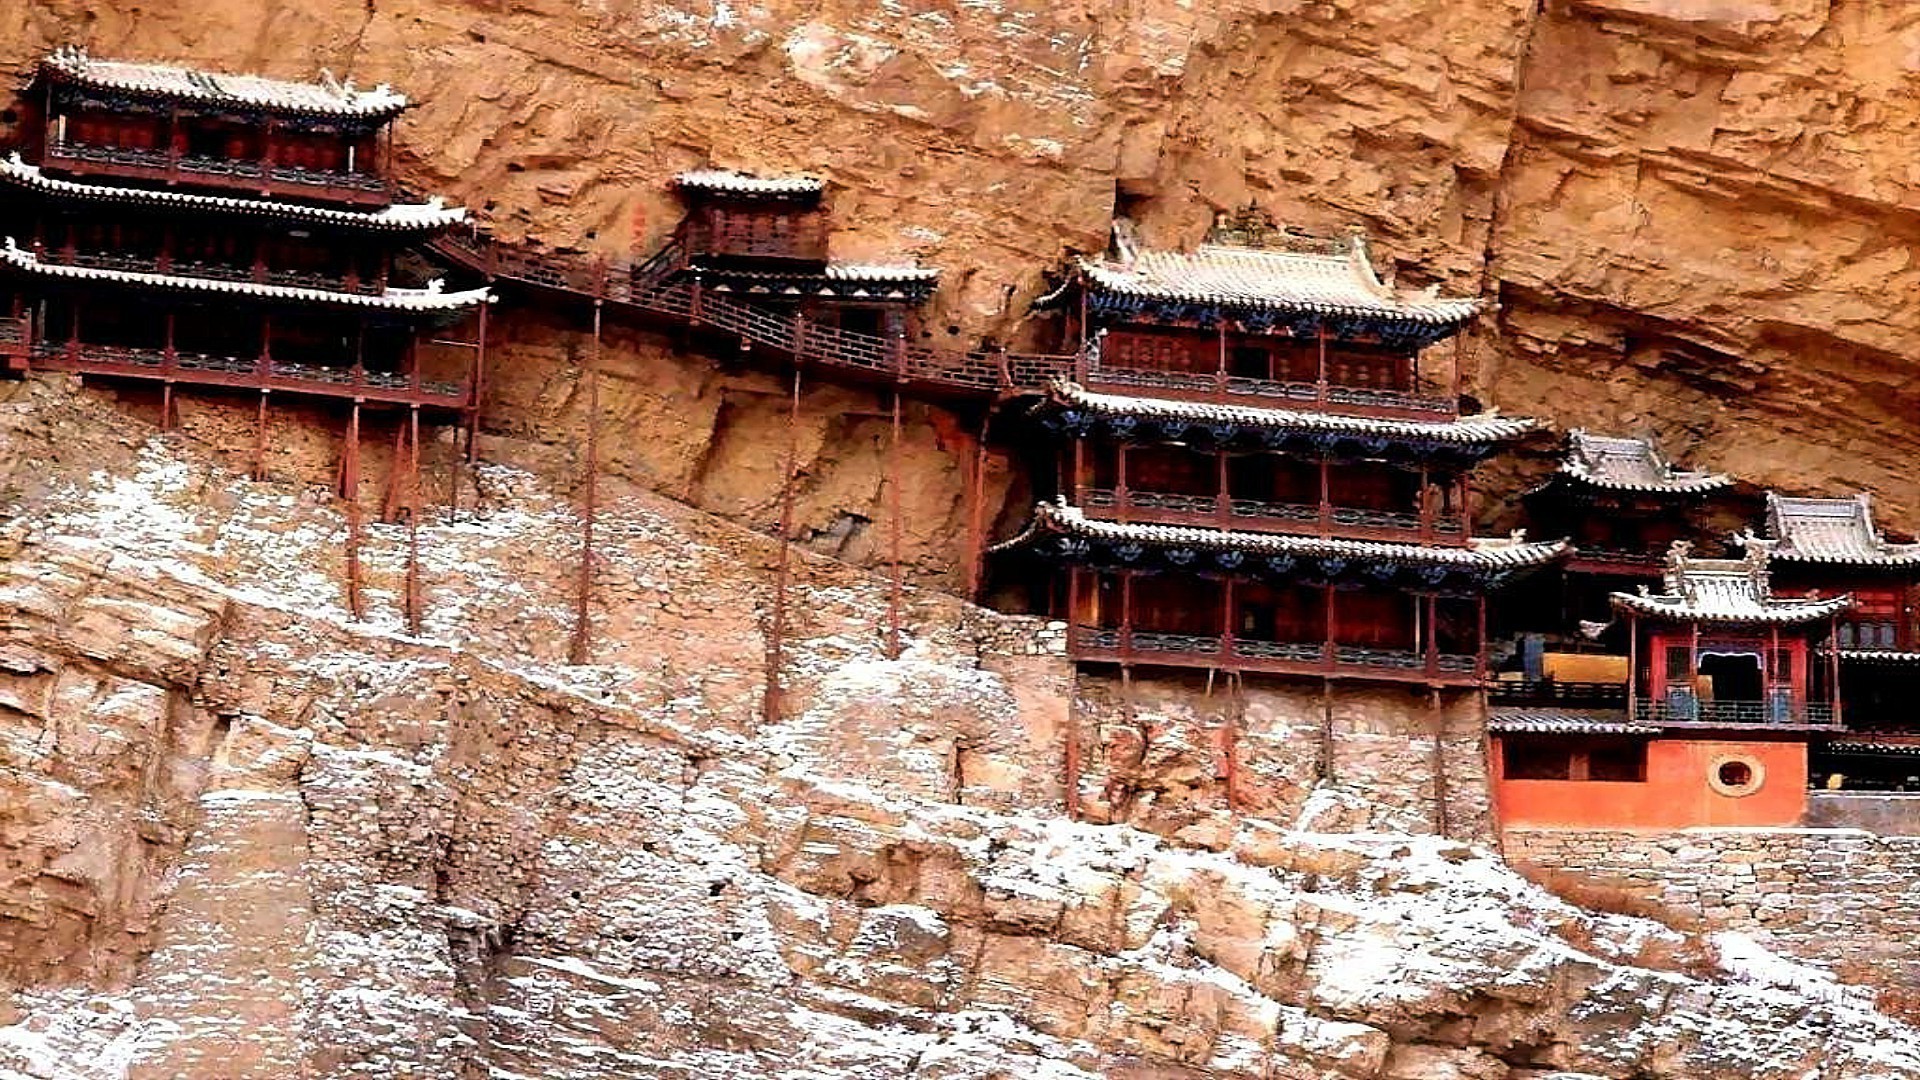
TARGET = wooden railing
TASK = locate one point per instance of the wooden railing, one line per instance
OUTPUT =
(1733, 713)
(253, 176)
(1219, 386)
(644, 288)
(1128, 645)
(261, 275)
(1220, 511)
(249, 372)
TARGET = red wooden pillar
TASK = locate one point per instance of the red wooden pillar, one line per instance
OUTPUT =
(1126, 613)
(1633, 666)
(976, 513)
(1833, 667)
(1223, 501)
(1432, 636)
(1425, 507)
(776, 631)
(581, 648)
(1328, 651)
(1077, 483)
(1226, 619)
(1122, 495)
(895, 583)
(350, 488)
(478, 382)
(413, 597)
(1480, 638)
(1320, 368)
(1326, 496)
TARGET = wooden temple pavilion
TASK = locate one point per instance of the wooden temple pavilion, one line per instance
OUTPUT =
(764, 240)
(1828, 546)
(1723, 693)
(185, 227)
(1253, 476)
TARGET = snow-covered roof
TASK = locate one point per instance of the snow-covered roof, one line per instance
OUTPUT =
(1516, 721)
(326, 98)
(1725, 591)
(880, 272)
(432, 298)
(729, 182)
(1872, 746)
(1836, 531)
(1341, 282)
(432, 214)
(1488, 553)
(1880, 656)
(1483, 428)
(1631, 464)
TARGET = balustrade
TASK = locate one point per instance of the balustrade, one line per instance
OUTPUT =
(1361, 401)
(1179, 508)
(1126, 645)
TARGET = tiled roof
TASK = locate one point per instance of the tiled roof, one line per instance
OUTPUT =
(1484, 428)
(433, 298)
(1497, 554)
(1726, 591)
(1629, 464)
(187, 84)
(1837, 531)
(1873, 746)
(432, 214)
(1880, 656)
(1506, 720)
(728, 182)
(1340, 284)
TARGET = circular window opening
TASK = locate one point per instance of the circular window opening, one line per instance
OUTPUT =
(1736, 775)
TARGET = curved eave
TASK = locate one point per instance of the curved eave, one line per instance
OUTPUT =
(1902, 558)
(1483, 429)
(400, 217)
(379, 103)
(1777, 613)
(1879, 656)
(1688, 484)
(1054, 519)
(404, 300)
(1104, 282)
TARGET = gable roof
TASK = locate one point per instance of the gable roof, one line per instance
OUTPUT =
(1617, 463)
(73, 65)
(730, 182)
(1832, 531)
(1724, 591)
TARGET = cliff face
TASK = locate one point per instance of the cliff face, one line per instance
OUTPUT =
(1695, 215)
(246, 836)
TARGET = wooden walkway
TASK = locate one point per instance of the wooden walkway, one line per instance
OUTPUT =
(648, 290)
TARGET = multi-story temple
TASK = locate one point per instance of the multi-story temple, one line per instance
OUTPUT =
(1827, 546)
(1722, 691)
(1254, 475)
(185, 227)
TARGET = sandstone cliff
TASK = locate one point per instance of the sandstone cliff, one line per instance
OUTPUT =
(249, 837)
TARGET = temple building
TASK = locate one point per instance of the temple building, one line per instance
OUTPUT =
(1253, 473)
(1709, 717)
(1828, 546)
(1623, 504)
(764, 240)
(184, 227)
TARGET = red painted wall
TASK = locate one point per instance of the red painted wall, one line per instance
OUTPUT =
(1675, 794)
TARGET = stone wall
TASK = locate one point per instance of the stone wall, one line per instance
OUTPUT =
(1161, 753)
(1843, 898)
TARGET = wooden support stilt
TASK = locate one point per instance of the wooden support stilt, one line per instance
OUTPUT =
(896, 585)
(390, 498)
(977, 514)
(777, 628)
(166, 406)
(1072, 779)
(1323, 767)
(1234, 714)
(260, 439)
(350, 490)
(1442, 825)
(480, 375)
(413, 521)
(582, 648)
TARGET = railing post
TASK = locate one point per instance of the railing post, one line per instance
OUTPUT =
(900, 358)
(693, 304)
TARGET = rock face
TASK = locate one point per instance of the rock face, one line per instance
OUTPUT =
(248, 836)
(244, 835)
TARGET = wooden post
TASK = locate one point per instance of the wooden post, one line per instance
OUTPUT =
(776, 632)
(1328, 651)
(1442, 826)
(1072, 755)
(260, 439)
(413, 521)
(350, 489)
(1480, 638)
(1126, 612)
(896, 586)
(581, 649)
(1323, 765)
(1433, 633)
(1633, 667)
(1122, 495)
(1326, 496)
(1235, 715)
(1833, 667)
(1320, 375)
(479, 380)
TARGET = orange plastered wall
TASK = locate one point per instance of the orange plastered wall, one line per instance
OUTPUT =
(1676, 793)
(1584, 667)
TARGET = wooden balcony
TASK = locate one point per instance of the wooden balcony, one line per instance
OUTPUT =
(249, 373)
(1223, 512)
(257, 274)
(1783, 715)
(781, 237)
(1322, 659)
(16, 344)
(251, 177)
(1222, 388)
